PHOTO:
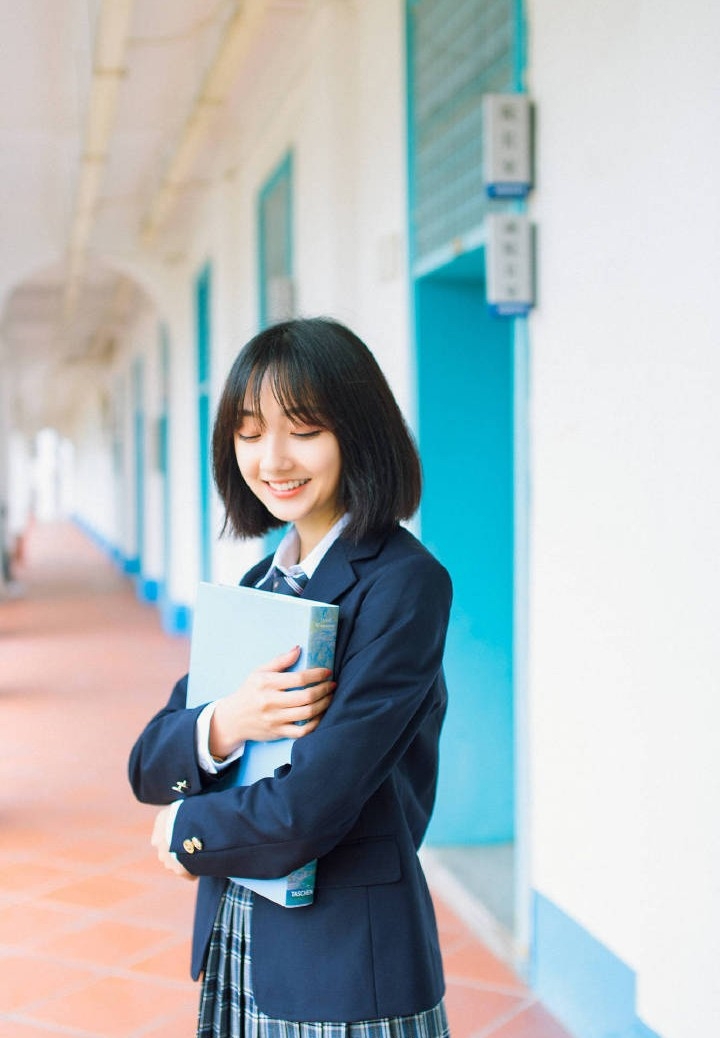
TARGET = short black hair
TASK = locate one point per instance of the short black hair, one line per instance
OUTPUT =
(322, 373)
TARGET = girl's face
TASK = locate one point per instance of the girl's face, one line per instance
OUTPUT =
(292, 467)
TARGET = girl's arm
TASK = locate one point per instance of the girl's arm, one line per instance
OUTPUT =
(164, 761)
(387, 688)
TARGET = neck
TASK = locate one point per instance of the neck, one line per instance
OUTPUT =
(311, 537)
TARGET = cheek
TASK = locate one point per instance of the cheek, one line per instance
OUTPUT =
(244, 460)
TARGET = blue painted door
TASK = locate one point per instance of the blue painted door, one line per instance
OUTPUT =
(465, 400)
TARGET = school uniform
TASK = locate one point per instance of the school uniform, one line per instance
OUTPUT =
(357, 796)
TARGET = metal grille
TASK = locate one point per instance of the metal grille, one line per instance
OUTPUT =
(460, 50)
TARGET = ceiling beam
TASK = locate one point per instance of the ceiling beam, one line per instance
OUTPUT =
(108, 71)
(212, 95)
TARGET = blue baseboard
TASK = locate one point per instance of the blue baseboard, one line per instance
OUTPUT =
(149, 590)
(642, 1031)
(176, 618)
(98, 539)
(585, 985)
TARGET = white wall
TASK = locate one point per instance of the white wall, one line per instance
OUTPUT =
(626, 490)
(97, 496)
(342, 116)
(20, 504)
(177, 309)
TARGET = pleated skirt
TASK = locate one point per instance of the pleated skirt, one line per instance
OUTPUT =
(228, 1008)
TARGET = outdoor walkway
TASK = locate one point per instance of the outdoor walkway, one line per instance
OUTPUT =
(94, 934)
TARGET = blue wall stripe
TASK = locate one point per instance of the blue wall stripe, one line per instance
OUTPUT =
(585, 985)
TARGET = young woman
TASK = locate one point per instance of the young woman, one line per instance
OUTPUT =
(308, 433)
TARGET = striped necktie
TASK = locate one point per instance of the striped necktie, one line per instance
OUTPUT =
(284, 583)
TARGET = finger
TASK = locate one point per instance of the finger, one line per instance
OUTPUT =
(158, 838)
(294, 698)
(306, 715)
(302, 679)
(312, 676)
(281, 662)
(297, 731)
(177, 869)
(318, 706)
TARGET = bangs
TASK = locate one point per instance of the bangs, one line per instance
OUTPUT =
(291, 385)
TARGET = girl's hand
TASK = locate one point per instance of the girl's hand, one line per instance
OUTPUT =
(263, 709)
(159, 840)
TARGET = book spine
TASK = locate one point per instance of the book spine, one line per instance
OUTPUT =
(321, 637)
(300, 888)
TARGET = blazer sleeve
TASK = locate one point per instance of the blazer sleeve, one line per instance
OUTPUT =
(387, 686)
(163, 764)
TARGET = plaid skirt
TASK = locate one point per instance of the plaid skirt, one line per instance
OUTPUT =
(227, 1005)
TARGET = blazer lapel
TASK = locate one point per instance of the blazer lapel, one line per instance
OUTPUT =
(336, 573)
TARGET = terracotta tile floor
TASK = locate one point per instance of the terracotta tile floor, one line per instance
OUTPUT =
(94, 934)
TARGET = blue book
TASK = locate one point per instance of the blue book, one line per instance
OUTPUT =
(235, 630)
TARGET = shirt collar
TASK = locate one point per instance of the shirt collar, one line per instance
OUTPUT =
(286, 556)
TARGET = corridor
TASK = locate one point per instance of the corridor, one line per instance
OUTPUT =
(94, 934)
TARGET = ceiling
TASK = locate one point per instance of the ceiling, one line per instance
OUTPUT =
(108, 115)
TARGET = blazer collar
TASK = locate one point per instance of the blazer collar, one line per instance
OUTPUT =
(336, 573)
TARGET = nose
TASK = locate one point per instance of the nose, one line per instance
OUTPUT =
(275, 457)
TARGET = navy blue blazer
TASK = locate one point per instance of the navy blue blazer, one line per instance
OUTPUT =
(357, 796)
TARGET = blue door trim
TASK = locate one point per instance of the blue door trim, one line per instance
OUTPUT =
(203, 332)
(134, 565)
(283, 172)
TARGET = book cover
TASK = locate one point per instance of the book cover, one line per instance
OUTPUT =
(235, 630)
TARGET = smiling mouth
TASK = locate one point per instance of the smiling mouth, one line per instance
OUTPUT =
(291, 484)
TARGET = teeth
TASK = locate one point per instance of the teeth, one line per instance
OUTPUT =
(290, 485)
